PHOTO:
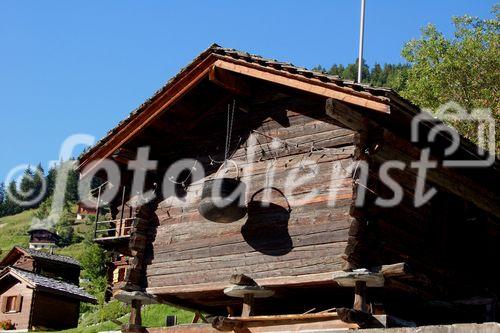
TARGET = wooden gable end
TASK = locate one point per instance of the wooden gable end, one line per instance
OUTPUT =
(206, 66)
(18, 258)
(16, 300)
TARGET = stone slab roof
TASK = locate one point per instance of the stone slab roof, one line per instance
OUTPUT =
(50, 285)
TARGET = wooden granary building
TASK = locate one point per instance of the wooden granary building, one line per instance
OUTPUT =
(311, 146)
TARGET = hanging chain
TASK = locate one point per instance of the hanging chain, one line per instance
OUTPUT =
(183, 182)
(229, 128)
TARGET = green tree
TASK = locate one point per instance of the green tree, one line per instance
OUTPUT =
(378, 75)
(397, 76)
(31, 187)
(337, 70)
(2, 199)
(93, 261)
(64, 227)
(71, 194)
(72, 186)
(319, 69)
(26, 186)
(38, 181)
(11, 206)
(393, 76)
(463, 68)
(351, 72)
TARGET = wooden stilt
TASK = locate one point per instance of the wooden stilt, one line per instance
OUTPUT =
(135, 313)
(360, 296)
(247, 305)
(360, 279)
(135, 322)
(246, 288)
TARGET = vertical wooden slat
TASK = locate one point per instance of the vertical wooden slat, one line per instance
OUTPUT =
(121, 225)
(97, 212)
(135, 313)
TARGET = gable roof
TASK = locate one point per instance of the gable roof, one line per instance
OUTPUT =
(42, 228)
(17, 251)
(382, 106)
(284, 73)
(50, 285)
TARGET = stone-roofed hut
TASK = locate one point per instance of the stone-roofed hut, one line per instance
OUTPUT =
(39, 290)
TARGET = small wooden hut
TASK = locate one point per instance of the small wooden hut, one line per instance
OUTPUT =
(39, 290)
(43, 238)
(430, 263)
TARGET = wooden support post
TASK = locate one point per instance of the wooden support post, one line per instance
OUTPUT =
(119, 230)
(135, 313)
(135, 321)
(247, 305)
(360, 296)
(246, 288)
(97, 212)
(360, 279)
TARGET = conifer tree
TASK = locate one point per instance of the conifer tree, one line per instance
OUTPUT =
(2, 199)
(11, 207)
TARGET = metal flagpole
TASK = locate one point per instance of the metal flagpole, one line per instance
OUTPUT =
(361, 37)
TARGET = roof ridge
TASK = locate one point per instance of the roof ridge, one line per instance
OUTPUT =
(51, 283)
(218, 51)
(42, 276)
(47, 255)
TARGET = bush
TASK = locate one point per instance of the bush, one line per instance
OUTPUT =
(103, 313)
(7, 325)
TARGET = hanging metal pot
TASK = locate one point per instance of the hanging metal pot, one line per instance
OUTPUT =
(266, 228)
(222, 199)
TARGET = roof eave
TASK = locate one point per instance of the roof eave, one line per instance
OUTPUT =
(197, 70)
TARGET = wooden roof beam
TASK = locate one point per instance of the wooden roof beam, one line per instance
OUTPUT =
(448, 179)
(229, 81)
(318, 89)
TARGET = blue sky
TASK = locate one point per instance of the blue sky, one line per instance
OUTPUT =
(71, 67)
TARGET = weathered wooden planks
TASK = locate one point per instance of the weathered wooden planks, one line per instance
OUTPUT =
(190, 250)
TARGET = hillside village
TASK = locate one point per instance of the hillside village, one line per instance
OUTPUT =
(93, 317)
(305, 244)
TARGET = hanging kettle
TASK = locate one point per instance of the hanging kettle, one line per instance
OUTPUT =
(266, 227)
(223, 199)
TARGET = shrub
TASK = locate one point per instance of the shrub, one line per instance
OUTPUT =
(7, 325)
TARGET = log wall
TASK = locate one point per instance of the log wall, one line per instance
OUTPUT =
(446, 241)
(190, 250)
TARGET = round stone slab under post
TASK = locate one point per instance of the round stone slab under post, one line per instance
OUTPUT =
(128, 297)
(248, 293)
(136, 299)
(360, 279)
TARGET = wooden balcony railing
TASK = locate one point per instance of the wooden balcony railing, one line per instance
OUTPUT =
(113, 228)
(116, 228)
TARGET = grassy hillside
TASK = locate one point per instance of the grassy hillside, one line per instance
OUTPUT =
(152, 316)
(97, 318)
(14, 231)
